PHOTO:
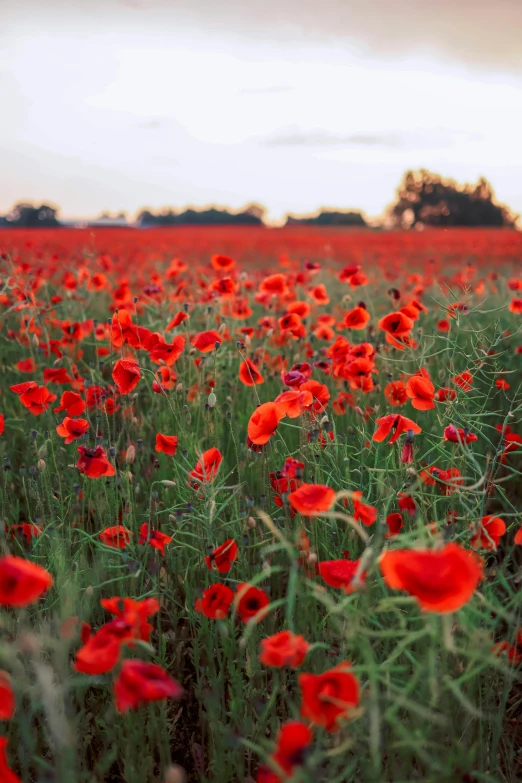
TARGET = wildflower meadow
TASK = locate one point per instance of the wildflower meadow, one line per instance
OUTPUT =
(260, 506)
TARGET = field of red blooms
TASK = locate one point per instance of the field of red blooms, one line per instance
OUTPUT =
(261, 506)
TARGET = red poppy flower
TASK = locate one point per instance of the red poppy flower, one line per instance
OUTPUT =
(463, 381)
(421, 392)
(126, 375)
(319, 294)
(139, 682)
(116, 536)
(329, 697)
(319, 392)
(72, 403)
(518, 536)
(223, 557)
(395, 393)
(27, 530)
(440, 580)
(167, 353)
(515, 306)
(215, 602)
(458, 435)
(443, 325)
(406, 503)
(396, 422)
(22, 582)
(363, 512)
(445, 394)
(56, 375)
(6, 773)
(166, 444)
(131, 616)
(207, 467)
(447, 480)
(70, 429)
(101, 651)
(395, 524)
(264, 422)
(249, 374)
(154, 538)
(177, 320)
(502, 384)
(7, 697)
(94, 463)
(294, 402)
(207, 341)
(341, 574)
(356, 318)
(250, 602)
(2, 424)
(283, 649)
(26, 365)
(488, 533)
(33, 397)
(292, 743)
(312, 499)
(222, 263)
(396, 324)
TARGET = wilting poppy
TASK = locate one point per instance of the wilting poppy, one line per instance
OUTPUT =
(312, 499)
(126, 375)
(22, 582)
(445, 394)
(394, 523)
(488, 532)
(215, 602)
(132, 616)
(154, 538)
(264, 422)
(249, 374)
(177, 320)
(7, 697)
(94, 463)
(6, 773)
(71, 402)
(406, 503)
(292, 742)
(458, 435)
(329, 697)
(395, 393)
(70, 429)
(421, 392)
(116, 536)
(207, 341)
(223, 557)
(166, 444)
(139, 682)
(399, 424)
(250, 602)
(440, 580)
(207, 467)
(341, 574)
(283, 649)
(447, 480)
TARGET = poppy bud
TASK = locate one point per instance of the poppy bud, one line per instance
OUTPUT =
(212, 399)
(179, 388)
(251, 522)
(175, 774)
(130, 454)
(41, 465)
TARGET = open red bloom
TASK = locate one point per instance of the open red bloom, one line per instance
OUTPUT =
(421, 392)
(139, 682)
(6, 773)
(292, 742)
(396, 422)
(215, 602)
(223, 556)
(116, 536)
(356, 318)
(101, 651)
(329, 697)
(249, 374)
(294, 402)
(395, 393)
(312, 499)
(207, 341)
(447, 480)
(464, 381)
(264, 422)
(283, 649)
(320, 394)
(70, 429)
(166, 444)
(207, 467)
(250, 602)
(444, 394)
(488, 533)
(56, 375)
(222, 263)
(126, 375)
(94, 463)
(22, 582)
(7, 697)
(441, 580)
(33, 397)
(406, 503)
(458, 435)
(154, 538)
(363, 512)
(341, 574)
(395, 523)
(72, 403)
(132, 616)
(396, 324)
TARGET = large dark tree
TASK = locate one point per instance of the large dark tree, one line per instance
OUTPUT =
(329, 217)
(427, 199)
(28, 216)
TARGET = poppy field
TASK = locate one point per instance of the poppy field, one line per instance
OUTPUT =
(261, 506)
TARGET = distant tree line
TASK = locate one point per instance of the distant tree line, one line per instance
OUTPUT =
(423, 199)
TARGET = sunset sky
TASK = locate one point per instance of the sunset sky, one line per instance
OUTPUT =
(120, 104)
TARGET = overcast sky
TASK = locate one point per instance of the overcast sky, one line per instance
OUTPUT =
(297, 104)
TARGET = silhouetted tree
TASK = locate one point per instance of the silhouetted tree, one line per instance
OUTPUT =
(28, 216)
(329, 217)
(427, 199)
(250, 216)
